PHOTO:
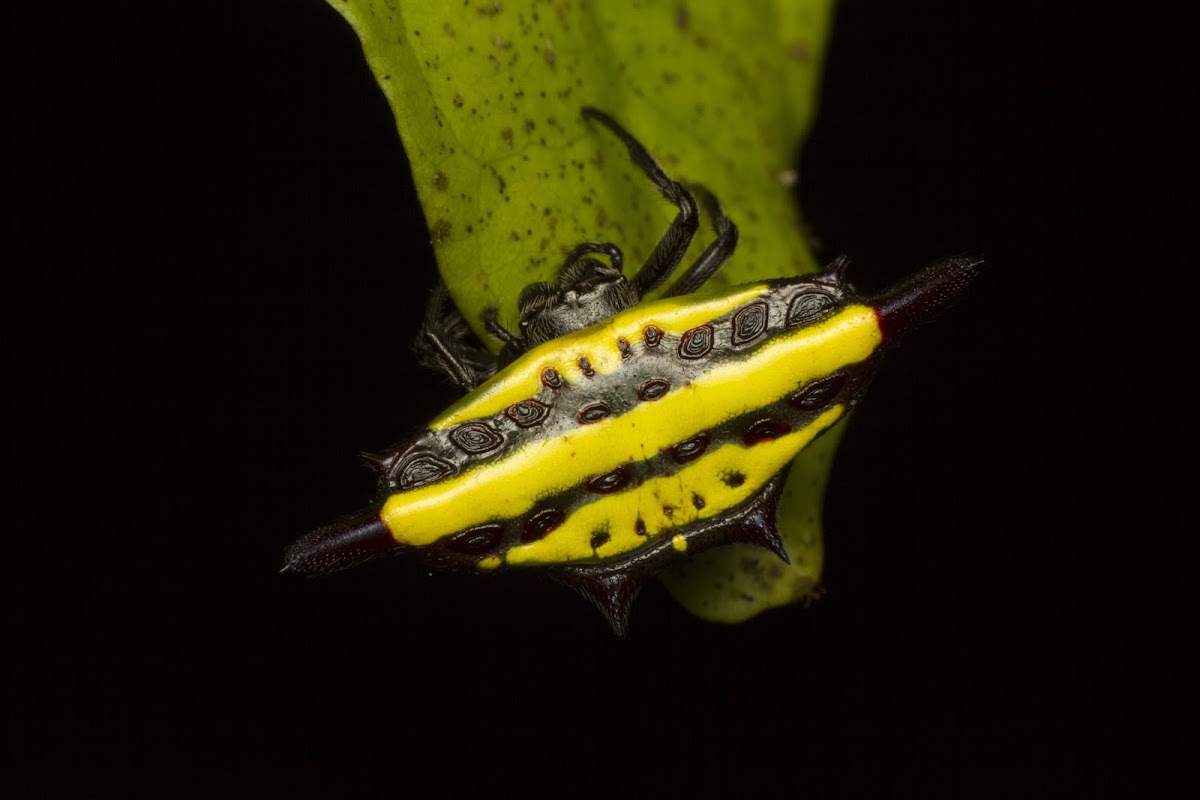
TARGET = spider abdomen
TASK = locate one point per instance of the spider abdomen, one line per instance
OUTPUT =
(628, 433)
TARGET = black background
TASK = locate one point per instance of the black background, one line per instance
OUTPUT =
(217, 265)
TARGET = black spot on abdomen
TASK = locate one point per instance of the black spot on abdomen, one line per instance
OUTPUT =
(765, 430)
(610, 482)
(421, 469)
(478, 540)
(749, 324)
(541, 523)
(697, 342)
(527, 413)
(593, 413)
(818, 394)
(653, 389)
(691, 449)
(474, 438)
(809, 306)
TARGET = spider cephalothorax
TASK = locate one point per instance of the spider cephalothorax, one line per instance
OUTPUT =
(588, 291)
(612, 436)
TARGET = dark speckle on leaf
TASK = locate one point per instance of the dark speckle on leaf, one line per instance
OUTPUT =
(440, 231)
(751, 567)
(440, 181)
(499, 179)
(682, 18)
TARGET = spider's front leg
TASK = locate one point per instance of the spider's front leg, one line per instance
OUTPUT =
(674, 244)
(566, 273)
(716, 254)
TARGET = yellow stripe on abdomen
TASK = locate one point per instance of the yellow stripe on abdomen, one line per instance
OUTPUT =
(706, 478)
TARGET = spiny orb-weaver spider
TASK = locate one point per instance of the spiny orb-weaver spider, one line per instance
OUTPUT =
(612, 437)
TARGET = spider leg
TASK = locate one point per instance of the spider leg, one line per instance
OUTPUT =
(671, 248)
(491, 323)
(615, 256)
(443, 343)
(716, 254)
(513, 345)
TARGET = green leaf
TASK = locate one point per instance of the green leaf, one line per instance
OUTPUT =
(487, 96)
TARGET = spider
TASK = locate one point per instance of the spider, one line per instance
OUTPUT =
(616, 436)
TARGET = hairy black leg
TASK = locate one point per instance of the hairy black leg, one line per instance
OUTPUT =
(615, 256)
(670, 249)
(443, 343)
(513, 345)
(716, 253)
(491, 323)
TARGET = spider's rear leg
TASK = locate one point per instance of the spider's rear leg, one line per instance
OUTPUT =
(443, 343)
(670, 249)
(716, 254)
